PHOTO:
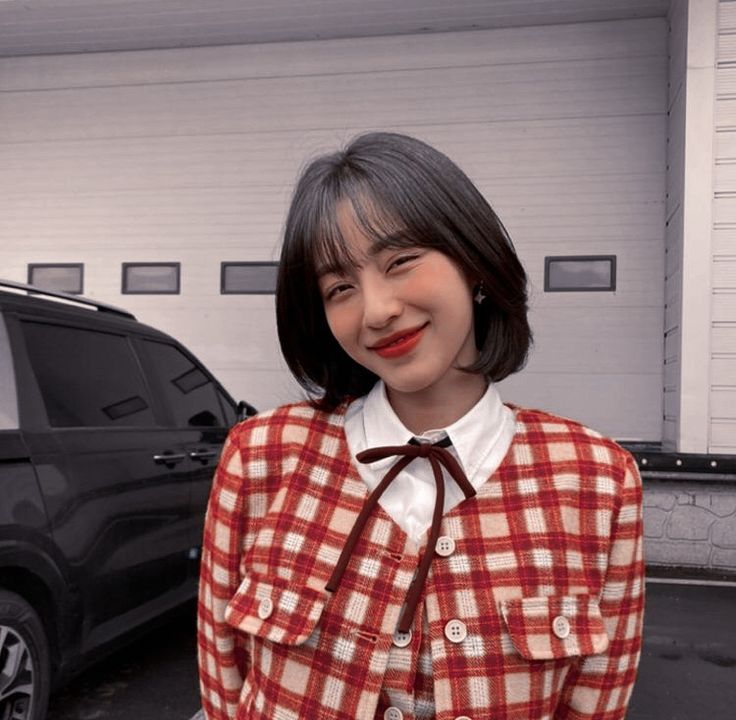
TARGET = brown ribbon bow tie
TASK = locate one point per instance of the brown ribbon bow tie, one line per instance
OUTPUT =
(438, 456)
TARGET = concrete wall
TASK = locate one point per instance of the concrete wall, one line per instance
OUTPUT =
(690, 524)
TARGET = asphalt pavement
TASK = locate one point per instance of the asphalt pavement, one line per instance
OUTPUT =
(688, 663)
(687, 671)
(154, 678)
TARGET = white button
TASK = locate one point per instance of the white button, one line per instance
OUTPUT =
(445, 546)
(402, 639)
(265, 608)
(561, 627)
(462, 717)
(393, 713)
(455, 631)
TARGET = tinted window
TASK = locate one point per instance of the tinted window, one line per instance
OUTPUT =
(87, 378)
(580, 273)
(191, 395)
(155, 278)
(8, 397)
(230, 414)
(62, 277)
(248, 277)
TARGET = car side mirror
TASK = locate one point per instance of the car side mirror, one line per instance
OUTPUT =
(245, 410)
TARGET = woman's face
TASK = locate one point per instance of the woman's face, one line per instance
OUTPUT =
(406, 314)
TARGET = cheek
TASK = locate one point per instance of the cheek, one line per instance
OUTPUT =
(341, 322)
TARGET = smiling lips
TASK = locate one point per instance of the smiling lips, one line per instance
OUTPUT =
(399, 343)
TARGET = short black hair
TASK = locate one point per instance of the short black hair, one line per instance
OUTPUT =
(403, 187)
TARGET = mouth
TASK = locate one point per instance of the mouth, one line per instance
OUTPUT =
(399, 343)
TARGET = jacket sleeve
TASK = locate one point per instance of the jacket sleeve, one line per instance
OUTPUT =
(599, 687)
(223, 657)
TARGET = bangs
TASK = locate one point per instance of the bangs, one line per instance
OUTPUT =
(329, 249)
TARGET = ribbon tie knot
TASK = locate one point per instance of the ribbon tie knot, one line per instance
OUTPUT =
(438, 457)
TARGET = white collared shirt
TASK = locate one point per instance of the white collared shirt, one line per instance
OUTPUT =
(480, 440)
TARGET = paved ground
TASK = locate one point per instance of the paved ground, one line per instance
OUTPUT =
(688, 668)
(155, 678)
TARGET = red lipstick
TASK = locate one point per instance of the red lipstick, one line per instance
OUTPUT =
(399, 343)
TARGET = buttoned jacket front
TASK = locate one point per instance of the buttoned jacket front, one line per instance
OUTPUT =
(534, 613)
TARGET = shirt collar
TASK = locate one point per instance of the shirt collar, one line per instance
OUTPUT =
(472, 435)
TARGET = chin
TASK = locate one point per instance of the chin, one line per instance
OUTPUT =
(411, 385)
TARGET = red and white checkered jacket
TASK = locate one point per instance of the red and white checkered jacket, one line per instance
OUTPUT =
(532, 608)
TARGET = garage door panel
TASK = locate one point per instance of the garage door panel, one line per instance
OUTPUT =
(635, 264)
(190, 156)
(576, 339)
(582, 192)
(171, 219)
(622, 406)
(520, 44)
(576, 89)
(539, 149)
(542, 149)
(262, 388)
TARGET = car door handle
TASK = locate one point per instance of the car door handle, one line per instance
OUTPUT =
(169, 459)
(202, 455)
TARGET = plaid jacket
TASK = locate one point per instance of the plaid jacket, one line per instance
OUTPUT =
(532, 608)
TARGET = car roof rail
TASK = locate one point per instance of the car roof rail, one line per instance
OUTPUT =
(100, 306)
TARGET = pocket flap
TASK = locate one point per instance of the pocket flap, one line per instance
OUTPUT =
(272, 608)
(542, 628)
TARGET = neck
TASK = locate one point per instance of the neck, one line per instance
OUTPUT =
(432, 408)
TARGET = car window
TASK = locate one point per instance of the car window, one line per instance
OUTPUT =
(87, 378)
(189, 391)
(230, 415)
(8, 396)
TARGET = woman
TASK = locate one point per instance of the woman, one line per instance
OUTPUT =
(405, 545)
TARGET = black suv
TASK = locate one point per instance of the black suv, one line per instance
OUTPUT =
(109, 434)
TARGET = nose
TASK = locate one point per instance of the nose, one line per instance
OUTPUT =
(381, 304)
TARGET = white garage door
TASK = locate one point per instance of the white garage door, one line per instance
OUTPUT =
(189, 155)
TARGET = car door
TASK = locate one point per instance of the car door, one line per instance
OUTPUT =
(118, 513)
(198, 414)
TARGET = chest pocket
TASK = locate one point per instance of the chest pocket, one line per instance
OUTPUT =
(271, 608)
(544, 628)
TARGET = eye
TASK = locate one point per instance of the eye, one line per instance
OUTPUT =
(336, 290)
(404, 259)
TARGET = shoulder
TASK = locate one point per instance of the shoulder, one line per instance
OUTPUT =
(292, 424)
(267, 446)
(561, 440)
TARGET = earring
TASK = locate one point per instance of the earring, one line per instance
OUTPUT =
(479, 296)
